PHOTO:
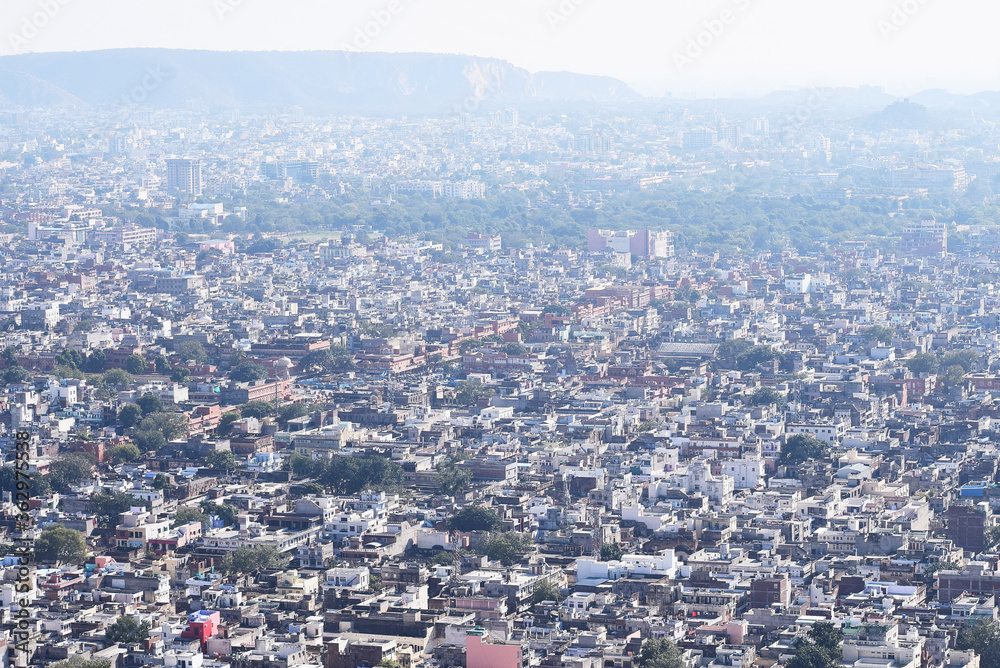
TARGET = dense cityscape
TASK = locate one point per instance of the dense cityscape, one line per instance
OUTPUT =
(658, 385)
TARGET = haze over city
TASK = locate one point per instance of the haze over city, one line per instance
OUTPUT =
(769, 44)
(551, 334)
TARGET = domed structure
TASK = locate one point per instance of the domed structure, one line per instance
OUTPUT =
(282, 366)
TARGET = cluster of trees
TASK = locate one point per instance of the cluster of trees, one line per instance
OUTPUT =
(77, 662)
(507, 547)
(659, 653)
(767, 396)
(226, 512)
(471, 391)
(150, 424)
(107, 507)
(336, 359)
(984, 638)
(452, 479)
(58, 544)
(253, 558)
(187, 515)
(612, 552)
(952, 366)
(349, 475)
(475, 518)
(248, 371)
(128, 631)
(800, 448)
(545, 591)
(821, 649)
(751, 357)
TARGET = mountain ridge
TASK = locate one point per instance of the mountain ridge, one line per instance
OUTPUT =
(317, 81)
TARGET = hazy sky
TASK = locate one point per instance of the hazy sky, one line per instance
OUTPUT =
(746, 46)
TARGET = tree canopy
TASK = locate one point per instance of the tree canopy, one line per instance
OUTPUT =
(659, 653)
(58, 544)
(800, 448)
(475, 518)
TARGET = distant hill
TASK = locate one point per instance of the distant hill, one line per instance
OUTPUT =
(902, 115)
(317, 81)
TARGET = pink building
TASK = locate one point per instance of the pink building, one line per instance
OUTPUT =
(490, 655)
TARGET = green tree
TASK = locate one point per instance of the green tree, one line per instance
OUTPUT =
(73, 469)
(171, 425)
(544, 591)
(149, 440)
(984, 638)
(129, 416)
(162, 482)
(954, 376)
(257, 409)
(96, 361)
(127, 452)
(880, 334)
(248, 372)
(16, 374)
(78, 662)
(337, 358)
(221, 460)
(453, 480)
(226, 423)
(475, 518)
(963, 358)
(187, 515)
(470, 392)
(292, 411)
(62, 371)
(808, 655)
(58, 544)
(749, 359)
(179, 375)
(468, 345)
(312, 488)
(135, 364)
(659, 653)
(192, 350)
(304, 467)
(128, 631)
(828, 638)
(442, 559)
(224, 511)
(558, 310)
(799, 448)
(923, 363)
(162, 365)
(350, 475)
(612, 552)
(107, 507)
(766, 396)
(149, 403)
(732, 348)
(508, 548)
(117, 379)
(250, 559)
(513, 348)
(70, 357)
